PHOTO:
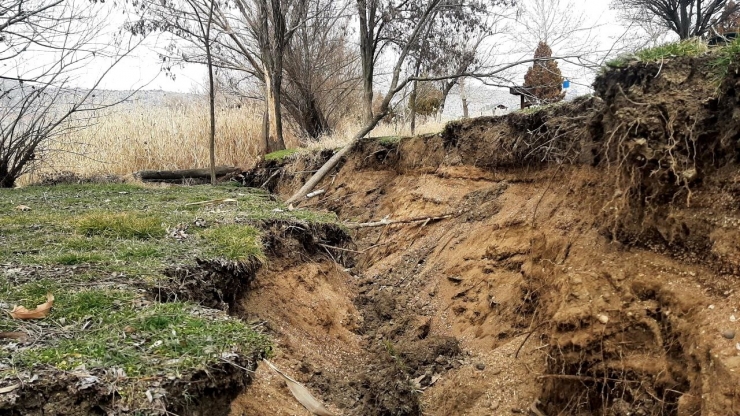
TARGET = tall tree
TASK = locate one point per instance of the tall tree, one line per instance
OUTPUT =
(543, 81)
(252, 37)
(44, 43)
(687, 18)
(321, 69)
(450, 42)
(372, 26)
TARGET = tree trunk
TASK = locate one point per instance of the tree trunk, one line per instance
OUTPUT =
(368, 98)
(212, 98)
(698, 29)
(463, 97)
(273, 123)
(314, 123)
(332, 162)
(412, 107)
(7, 180)
(446, 88)
(366, 13)
(685, 21)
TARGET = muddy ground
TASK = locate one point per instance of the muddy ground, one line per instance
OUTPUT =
(588, 265)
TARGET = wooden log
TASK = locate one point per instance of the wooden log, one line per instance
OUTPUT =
(168, 175)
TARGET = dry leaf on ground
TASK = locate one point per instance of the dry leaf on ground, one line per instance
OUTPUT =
(20, 336)
(302, 394)
(41, 311)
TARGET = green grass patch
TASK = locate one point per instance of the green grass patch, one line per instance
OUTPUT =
(690, 47)
(727, 56)
(388, 140)
(281, 155)
(120, 225)
(116, 329)
(235, 242)
(95, 245)
(74, 258)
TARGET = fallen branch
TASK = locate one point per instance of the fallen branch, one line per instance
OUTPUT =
(169, 175)
(585, 378)
(277, 172)
(341, 249)
(383, 222)
(213, 201)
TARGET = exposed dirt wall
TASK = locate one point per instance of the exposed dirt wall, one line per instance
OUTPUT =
(589, 265)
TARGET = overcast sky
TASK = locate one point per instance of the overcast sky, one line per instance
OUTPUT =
(143, 67)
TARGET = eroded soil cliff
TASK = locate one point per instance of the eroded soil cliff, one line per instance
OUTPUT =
(585, 262)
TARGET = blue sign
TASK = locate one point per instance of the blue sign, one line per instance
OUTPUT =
(566, 83)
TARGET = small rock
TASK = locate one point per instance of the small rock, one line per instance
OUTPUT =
(728, 333)
(480, 366)
(732, 318)
(711, 307)
(602, 318)
(440, 360)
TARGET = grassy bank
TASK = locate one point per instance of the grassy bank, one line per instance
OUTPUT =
(98, 249)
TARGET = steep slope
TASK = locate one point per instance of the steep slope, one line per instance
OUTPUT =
(578, 260)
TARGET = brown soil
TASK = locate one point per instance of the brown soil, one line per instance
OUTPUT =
(589, 267)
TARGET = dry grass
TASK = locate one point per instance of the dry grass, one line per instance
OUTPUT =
(346, 131)
(129, 138)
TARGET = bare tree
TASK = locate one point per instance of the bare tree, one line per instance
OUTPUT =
(397, 84)
(45, 43)
(687, 18)
(256, 38)
(321, 68)
(558, 23)
(372, 21)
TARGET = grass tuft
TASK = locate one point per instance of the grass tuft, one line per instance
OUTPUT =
(281, 155)
(689, 47)
(142, 340)
(120, 225)
(726, 57)
(235, 242)
(388, 140)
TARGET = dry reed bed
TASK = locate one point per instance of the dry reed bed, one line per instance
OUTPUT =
(133, 137)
